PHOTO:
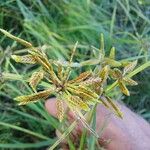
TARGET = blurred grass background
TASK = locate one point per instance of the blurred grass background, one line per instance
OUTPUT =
(58, 25)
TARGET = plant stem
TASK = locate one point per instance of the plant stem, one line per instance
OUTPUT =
(111, 86)
(64, 135)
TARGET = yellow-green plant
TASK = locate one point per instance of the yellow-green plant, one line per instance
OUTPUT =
(82, 93)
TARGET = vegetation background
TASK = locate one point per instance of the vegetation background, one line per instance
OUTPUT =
(58, 24)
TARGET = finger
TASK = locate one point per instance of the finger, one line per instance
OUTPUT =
(50, 106)
(102, 113)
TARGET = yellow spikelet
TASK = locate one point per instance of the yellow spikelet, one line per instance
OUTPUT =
(33, 97)
(47, 67)
(76, 102)
(116, 73)
(92, 81)
(129, 67)
(60, 109)
(83, 76)
(35, 79)
(26, 59)
(129, 81)
(60, 72)
(83, 92)
(88, 91)
(115, 107)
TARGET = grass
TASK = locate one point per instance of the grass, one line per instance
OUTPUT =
(57, 26)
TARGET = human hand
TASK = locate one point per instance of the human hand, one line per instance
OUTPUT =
(130, 133)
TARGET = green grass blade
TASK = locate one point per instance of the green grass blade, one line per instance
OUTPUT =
(24, 130)
(27, 145)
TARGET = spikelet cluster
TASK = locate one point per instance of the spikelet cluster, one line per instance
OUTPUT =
(82, 93)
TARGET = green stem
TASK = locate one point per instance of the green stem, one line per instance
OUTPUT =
(64, 135)
(111, 86)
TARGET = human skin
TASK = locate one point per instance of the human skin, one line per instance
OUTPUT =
(130, 133)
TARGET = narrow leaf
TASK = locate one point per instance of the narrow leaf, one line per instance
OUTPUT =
(103, 101)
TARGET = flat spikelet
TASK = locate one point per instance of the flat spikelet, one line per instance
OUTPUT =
(60, 72)
(60, 109)
(83, 76)
(115, 107)
(77, 103)
(26, 59)
(116, 73)
(22, 100)
(82, 93)
(35, 79)
(129, 81)
(88, 91)
(92, 81)
(129, 67)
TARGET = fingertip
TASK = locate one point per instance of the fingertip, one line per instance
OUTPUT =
(50, 106)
